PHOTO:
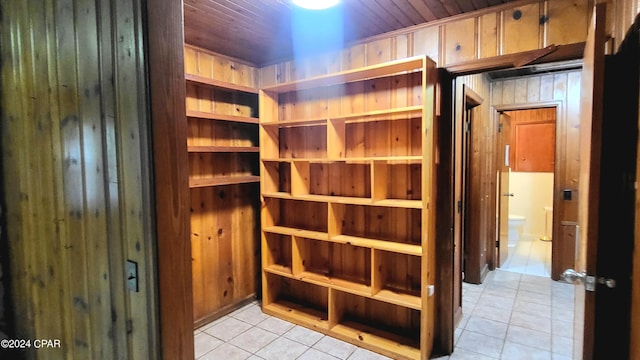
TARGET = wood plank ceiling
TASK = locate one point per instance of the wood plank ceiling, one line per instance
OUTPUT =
(260, 31)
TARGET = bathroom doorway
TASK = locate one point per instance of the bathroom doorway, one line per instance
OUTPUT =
(526, 172)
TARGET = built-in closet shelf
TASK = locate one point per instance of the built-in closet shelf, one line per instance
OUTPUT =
(219, 181)
(368, 116)
(217, 84)
(351, 160)
(411, 204)
(298, 314)
(399, 298)
(335, 283)
(308, 234)
(369, 72)
(221, 117)
(400, 248)
(347, 175)
(395, 247)
(375, 337)
(223, 149)
(350, 287)
(222, 143)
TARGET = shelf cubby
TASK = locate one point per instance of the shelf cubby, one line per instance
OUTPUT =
(276, 177)
(222, 168)
(397, 278)
(277, 253)
(301, 302)
(221, 133)
(382, 138)
(336, 265)
(303, 142)
(295, 215)
(390, 329)
(390, 224)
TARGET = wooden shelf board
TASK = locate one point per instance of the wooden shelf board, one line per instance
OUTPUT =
(278, 195)
(223, 149)
(366, 116)
(335, 199)
(355, 160)
(298, 314)
(227, 180)
(373, 338)
(293, 123)
(278, 269)
(412, 204)
(408, 249)
(222, 117)
(367, 72)
(398, 298)
(348, 200)
(377, 115)
(282, 160)
(389, 159)
(308, 234)
(222, 85)
(335, 283)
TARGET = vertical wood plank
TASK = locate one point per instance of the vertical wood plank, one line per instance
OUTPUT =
(488, 35)
(166, 67)
(521, 28)
(459, 41)
(567, 21)
(427, 41)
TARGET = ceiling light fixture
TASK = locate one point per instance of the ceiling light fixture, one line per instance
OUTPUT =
(315, 4)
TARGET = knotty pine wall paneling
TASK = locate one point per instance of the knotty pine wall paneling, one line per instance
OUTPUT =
(77, 185)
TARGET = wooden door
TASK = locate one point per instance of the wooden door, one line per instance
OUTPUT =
(590, 145)
(609, 112)
(504, 170)
(475, 246)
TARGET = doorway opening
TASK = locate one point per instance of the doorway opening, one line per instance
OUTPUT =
(525, 194)
(508, 298)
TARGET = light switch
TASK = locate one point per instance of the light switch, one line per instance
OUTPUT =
(131, 272)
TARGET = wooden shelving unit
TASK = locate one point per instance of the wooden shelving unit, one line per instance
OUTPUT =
(223, 149)
(347, 183)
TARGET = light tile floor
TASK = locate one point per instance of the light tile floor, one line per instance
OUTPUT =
(530, 256)
(511, 316)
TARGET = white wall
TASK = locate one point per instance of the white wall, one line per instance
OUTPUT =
(532, 192)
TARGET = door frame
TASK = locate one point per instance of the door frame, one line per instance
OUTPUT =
(503, 160)
(165, 66)
(463, 230)
(557, 250)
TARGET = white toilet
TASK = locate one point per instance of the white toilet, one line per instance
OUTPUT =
(516, 224)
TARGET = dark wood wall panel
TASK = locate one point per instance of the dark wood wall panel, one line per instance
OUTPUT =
(77, 189)
(480, 201)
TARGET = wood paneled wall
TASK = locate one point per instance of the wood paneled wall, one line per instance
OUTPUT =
(621, 14)
(561, 90)
(481, 34)
(75, 156)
